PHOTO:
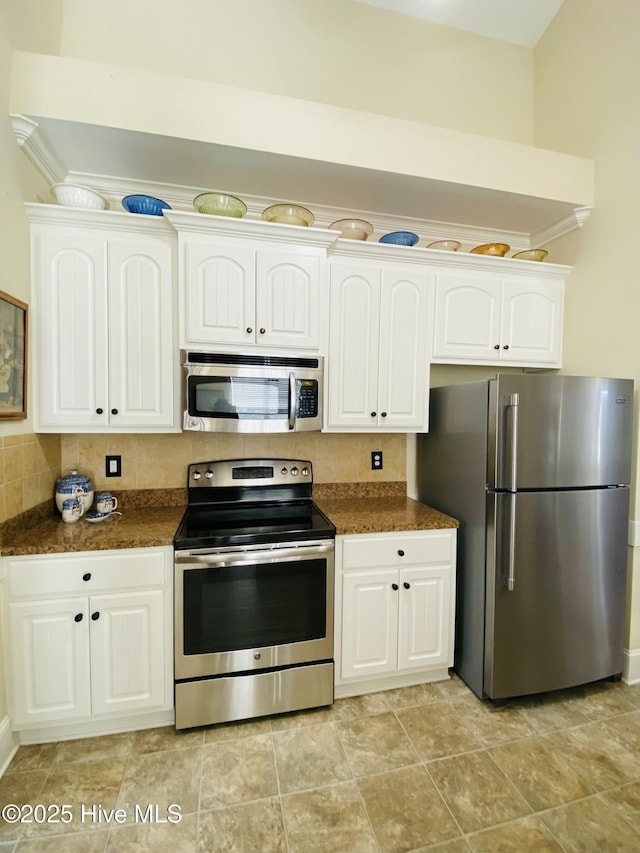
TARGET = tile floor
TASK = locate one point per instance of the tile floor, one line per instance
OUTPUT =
(417, 769)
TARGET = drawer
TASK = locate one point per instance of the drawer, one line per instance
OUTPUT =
(68, 574)
(418, 549)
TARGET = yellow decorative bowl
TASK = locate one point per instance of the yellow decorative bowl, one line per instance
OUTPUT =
(288, 214)
(532, 255)
(498, 250)
(220, 204)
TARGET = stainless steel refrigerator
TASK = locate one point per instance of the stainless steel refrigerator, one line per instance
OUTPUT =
(536, 468)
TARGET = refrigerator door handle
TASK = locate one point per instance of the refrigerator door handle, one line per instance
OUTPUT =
(511, 549)
(512, 403)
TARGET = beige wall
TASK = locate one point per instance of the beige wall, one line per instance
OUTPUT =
(587, 91)
(331, 51)
(28, 463)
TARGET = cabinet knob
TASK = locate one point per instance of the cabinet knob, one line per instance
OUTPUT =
(384, 414)
(99, 411)
(400, 552)
(496, 346)
(78, 617)
(249, 330)
(86, 576)
(406, 585)
(373, 414)
(95, 616)
(114, 411)
(394, 586)
(262, 331)
(506, 346)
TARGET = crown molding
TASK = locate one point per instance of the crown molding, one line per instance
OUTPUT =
(34, 144)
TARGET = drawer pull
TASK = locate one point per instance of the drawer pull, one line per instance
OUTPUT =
(406, 585)
(400, 552)
(95, 616)
(78, 617)
(86, 576)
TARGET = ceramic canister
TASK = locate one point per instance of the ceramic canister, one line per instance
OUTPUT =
(74, 485)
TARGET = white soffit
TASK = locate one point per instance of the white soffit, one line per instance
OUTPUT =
(520, 22)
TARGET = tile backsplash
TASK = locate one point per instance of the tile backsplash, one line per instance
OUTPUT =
(160, 461)
(29, 467)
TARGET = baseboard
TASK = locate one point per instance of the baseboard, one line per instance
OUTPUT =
(96, 727)
(631, 666)
(8, 744)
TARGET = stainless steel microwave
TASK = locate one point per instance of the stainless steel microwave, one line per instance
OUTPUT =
(251, 393)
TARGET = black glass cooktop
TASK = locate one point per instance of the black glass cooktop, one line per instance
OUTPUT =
(210, 526)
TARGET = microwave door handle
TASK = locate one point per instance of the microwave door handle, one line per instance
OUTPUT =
(292, 400)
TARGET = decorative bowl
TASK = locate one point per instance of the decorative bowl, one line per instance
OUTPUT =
(146, 204)
(220, 204)
(532, 255)
(498, 250)
(400, 238)
(445, 245)
(73, 195)
(352, 229)
(289, 214)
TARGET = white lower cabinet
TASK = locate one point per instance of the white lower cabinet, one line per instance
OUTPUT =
(90, 636)
(395, 619)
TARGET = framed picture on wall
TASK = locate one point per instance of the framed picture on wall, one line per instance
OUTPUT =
(13, 358)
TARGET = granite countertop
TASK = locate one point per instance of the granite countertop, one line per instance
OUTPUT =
(376, 508)
(150, 519)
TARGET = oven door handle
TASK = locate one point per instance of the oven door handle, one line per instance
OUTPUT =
(292, 400)
(250, 558)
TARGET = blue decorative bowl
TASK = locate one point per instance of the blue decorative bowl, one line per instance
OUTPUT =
(145, 204)
(400, 238)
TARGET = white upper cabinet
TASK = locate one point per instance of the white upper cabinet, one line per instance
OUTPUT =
(105, 350)
(380, 322)
(482, 318)
(251, 284)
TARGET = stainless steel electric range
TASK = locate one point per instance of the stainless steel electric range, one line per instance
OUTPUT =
(254, 593)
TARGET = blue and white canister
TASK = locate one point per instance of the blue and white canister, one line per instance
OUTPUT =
(74, 485)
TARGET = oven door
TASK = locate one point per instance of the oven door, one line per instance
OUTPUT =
(253, 608)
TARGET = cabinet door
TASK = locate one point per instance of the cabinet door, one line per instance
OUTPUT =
(532, 322)
(467, 318)
(370, 623)
(423, 634)
(127, 652)
(219, 293)
(353, 347)
(51, 675)
(141, 363)
(288, 305)
(405, 349)
(70, 297)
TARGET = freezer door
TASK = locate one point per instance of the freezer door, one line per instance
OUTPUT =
(572, 431)
(562, 623)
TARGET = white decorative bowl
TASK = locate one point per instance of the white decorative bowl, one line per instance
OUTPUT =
(73, 195)
(352, 229)
(445, 245)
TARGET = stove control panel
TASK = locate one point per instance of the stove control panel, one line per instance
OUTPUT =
(249, 472)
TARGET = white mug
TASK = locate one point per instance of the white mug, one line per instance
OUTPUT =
(106, 502)
(71, 510)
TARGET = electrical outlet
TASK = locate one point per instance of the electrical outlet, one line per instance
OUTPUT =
(113, 466)
(376, 460)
